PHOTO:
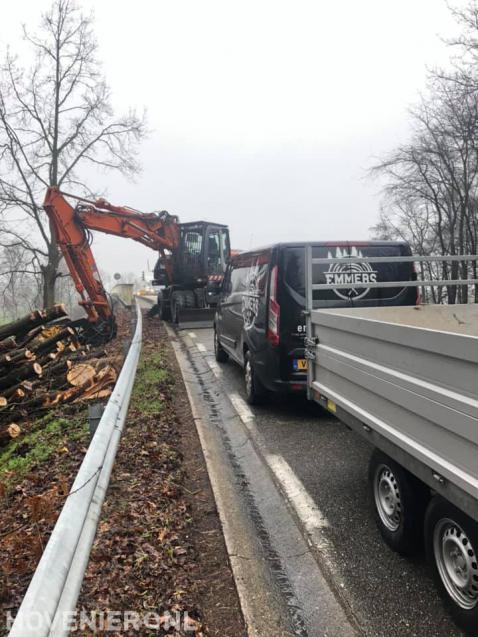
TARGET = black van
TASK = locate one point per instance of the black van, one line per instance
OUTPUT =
(259, 320)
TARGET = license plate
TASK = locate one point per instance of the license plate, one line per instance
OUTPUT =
(331, 406)
(299, 364)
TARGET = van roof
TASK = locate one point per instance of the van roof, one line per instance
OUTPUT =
(300, 244)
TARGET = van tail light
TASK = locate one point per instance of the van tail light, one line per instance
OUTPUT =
(418, 300)
(273, 323)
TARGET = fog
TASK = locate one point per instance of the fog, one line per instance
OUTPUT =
(264, 115)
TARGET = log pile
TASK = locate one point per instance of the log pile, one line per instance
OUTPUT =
(45, 361)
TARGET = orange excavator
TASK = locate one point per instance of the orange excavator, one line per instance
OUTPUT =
(190, 267)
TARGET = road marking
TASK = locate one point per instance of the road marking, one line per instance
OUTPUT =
(216, 370)
(201, 347)
(305, 507)
(311, 518)
(192, 335)
(240, 405)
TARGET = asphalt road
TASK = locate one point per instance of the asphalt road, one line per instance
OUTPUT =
(389, 595)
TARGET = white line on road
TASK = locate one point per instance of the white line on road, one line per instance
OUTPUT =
(201, 347)
(305, 507)
(311, 518)
(216, 370)
(192, 335)
(242, 409)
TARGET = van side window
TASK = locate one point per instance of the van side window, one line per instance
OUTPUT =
(237, 279)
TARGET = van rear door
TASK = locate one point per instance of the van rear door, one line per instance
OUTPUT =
(291, 290)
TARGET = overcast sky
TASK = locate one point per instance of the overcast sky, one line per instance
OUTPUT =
(264, 114)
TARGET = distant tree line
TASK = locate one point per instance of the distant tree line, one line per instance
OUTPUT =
(431, 182)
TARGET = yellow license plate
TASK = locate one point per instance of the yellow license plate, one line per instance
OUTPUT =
(300, 364)
(331, 406)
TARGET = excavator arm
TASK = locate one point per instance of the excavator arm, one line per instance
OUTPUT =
(71, 225)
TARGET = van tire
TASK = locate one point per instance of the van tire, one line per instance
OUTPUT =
(399, 501)
(221, 355)
(443, 520)
(255, 390)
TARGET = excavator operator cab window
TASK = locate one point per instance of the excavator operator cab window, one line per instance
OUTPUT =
(192, 246)
(218, 250)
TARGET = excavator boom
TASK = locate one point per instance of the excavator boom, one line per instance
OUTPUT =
(71, 228)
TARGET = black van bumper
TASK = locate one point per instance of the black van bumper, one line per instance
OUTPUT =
(268, 364)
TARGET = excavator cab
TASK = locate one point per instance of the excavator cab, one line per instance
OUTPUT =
(193, 283)
(204, 251)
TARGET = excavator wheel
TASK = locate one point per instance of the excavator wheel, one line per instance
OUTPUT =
(177, 302)
(164, 309)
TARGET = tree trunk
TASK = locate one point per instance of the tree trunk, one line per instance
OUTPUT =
(50, 272)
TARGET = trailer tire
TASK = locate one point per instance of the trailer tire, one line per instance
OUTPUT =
(220, 354)
(451, 543)
(255, 391)
(399, 504)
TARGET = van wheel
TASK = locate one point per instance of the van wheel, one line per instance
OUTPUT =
(399, 501)
(255, 391)
(221, 355)
(451, 542)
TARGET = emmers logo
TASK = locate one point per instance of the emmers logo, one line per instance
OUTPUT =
(357, 274)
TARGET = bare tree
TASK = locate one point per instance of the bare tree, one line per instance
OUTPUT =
(20, 286)
(432, 181)
(56, 117)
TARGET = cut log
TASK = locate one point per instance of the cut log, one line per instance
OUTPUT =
(28, 370)
(31, 336)
(12, 396)
(8, 344)
(14, 430)
(51, 343)
(22, 326)
(80, 374)
(15, 356)
(24, 387)
(8, 433)
(3, 401)
(101, 386)
(41, 401)
(53, 313)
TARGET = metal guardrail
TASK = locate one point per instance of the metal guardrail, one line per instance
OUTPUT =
(54, 589)
(150, 300)
(124, 292)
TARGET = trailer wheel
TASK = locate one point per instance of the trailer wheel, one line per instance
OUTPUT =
(255, 391)
(221, 355)
(451, 542)
(399, 501)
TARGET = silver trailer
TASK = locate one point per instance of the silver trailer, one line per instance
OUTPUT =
(406, 379)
